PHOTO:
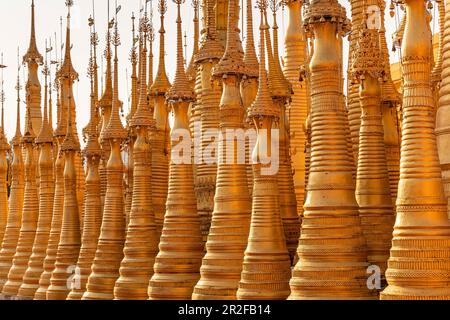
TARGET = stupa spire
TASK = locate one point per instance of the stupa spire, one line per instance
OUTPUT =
(4, 163)
(372, 180)
(45, 134)
(151, 39)
(250, 59)
(191, 69)
(18, 136)
(161, 83)
(180, 89)
(33, 52)
(105, 104)
(421, 234)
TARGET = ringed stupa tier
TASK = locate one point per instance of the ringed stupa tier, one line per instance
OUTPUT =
(232, 175)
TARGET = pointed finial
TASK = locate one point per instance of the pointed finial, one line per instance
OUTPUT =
(161, 84)
(143, 116)
(4, 145)
(211, 48)
(115, 129)
(67, 70)
(263, 105)
(93, 147)
(231, 62)
(106, 99)
(2, 95)
(45, 135)
(18, 136)
(151, 39)
(33, 54)
(250, 59)
(180, 90)
(279, 86)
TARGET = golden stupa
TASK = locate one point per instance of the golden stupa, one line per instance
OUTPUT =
(177, 265)
(109, 254)
(286, 174)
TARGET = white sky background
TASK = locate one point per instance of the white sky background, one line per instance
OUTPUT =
(15, 31)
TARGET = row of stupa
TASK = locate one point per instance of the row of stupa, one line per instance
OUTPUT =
(358, 206)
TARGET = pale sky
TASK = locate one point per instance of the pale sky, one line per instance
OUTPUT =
(15, 31)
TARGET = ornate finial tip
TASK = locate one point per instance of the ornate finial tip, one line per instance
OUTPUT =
(261, 4)
(69, 3)
(162, 6)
